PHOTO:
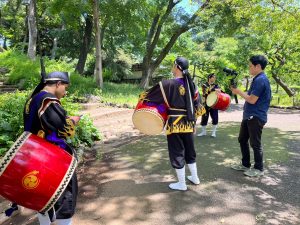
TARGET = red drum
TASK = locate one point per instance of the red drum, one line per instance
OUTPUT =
(218, 100)
(34, 173)
(148, 119)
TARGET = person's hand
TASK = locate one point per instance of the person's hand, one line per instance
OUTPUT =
(234, 91)
(75, 119)
(218, 90)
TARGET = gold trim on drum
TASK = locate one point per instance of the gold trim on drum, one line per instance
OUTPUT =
(62, 186)
(13, 151)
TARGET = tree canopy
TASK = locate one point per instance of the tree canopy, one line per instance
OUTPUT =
(212, 34)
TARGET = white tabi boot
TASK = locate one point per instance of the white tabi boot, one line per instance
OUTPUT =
(44, 219)
(214, 130)
(194, 175)
(180, 185)
(203, 132)
(63, 221)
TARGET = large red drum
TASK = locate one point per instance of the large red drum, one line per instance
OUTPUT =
(219, 101)
(34, 173)
(150, 118)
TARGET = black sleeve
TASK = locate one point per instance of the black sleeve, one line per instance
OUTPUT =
(54, 118)
(154, 94)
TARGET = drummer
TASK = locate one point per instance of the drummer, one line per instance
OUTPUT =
(207, 88)
(45, 117)
(181, 98)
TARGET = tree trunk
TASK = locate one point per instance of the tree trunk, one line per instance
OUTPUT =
(4, 43)
(54, 48)
(26, 31)
(247, 83)
(283, 85)
(153, 35)
(32, 28)
(98, 65)
(146, 76)
(194, 72)
(84, 50)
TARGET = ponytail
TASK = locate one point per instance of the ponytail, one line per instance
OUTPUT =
(189, 95)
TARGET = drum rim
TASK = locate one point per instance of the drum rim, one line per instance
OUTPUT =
(153, 113)
(216, 100)
(10, 154)
(62, 186)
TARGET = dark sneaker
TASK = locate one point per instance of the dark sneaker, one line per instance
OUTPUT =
(254, 173)
(239, 167)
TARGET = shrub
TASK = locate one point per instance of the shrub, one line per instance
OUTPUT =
(11, 121)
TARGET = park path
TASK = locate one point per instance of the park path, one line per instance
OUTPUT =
(124, 180)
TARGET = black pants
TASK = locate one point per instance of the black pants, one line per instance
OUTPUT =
(213, 114)
(181, 149)
(251, 129)
(66, 204)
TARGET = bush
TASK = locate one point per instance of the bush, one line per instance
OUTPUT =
(11, 121)
(124, 94)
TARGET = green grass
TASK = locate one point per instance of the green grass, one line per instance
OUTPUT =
(121, 94)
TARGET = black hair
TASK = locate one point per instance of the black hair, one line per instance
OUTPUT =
(183, 65)
(210, 75)
(259, 59)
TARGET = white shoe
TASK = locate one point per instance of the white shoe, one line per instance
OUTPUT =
(203, 132)
(193, 180)
(214, 130)
(180, 185)
(194, 175)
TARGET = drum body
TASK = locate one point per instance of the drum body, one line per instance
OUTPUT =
(34, 173)
(219, 101)
(149, 119)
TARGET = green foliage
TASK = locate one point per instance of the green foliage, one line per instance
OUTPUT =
(21, 68)
(11, 118)
(82, 87)
(86, 133)
(124, 94)
(12, 126)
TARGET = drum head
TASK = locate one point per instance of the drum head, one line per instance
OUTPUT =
(211, 99)
(148, 121)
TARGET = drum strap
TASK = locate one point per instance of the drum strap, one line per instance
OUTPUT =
(163, 93)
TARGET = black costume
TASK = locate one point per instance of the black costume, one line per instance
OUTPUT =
(45, 117)
(206, 90)
(171, 95)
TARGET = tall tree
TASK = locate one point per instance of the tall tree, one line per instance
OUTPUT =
(86, 41)
(152, 59)
(274, 31)
(98, 64)
(32, 28)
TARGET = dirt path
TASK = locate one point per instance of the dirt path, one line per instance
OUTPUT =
(125, 179)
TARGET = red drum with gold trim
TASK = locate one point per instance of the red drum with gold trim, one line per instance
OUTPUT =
(149, 119)
(219, 101)
(34, 173)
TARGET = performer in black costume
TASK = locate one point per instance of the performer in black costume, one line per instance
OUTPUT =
(207, 88)
(45, 117)
(181, 98)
